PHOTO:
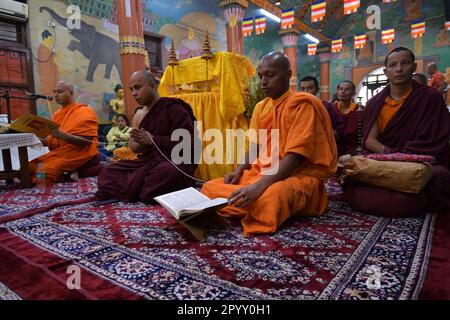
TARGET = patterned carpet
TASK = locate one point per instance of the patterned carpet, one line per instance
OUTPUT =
(138, 249)
(16, 202)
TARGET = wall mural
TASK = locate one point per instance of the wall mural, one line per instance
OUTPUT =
(186, 21)
(399, 14)
(88, 57)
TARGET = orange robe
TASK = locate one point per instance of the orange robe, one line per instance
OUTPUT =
(77, 119)
(305, 129)
(389, 109)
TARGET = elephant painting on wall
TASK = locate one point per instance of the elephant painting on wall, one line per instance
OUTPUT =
(95, 46)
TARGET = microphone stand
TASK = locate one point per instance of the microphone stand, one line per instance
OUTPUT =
(8, 105)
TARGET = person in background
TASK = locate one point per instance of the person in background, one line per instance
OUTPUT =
(437, 79)
(118, 136)
(348, 142)
(311, 85)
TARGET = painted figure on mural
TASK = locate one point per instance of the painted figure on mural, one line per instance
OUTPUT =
(442, 38)
(117, 104)
(48, 69)
(413, 10)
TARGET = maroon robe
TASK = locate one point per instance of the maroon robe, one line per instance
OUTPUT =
(348, 141)
(151, 174)
(337, 121)
(420, 126)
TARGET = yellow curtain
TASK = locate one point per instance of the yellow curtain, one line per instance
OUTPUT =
(220, 107)
(205, 106)
(228, 73)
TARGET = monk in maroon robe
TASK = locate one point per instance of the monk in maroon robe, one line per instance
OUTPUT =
(311, 85)
(411, 118)
(348, 110)
(151, 174)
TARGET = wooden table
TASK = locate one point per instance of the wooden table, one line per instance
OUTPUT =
(20, 141)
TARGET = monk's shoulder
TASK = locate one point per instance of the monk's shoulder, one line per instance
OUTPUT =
(86, 110)
(138, 116)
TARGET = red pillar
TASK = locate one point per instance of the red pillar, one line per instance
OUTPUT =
(289, 37)
(325, 75)
(234, 11)
(133, 55)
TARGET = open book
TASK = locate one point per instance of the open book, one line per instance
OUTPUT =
(186, 202)
(31, 123)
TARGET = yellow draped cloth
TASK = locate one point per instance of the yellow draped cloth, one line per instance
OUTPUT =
(220, 107)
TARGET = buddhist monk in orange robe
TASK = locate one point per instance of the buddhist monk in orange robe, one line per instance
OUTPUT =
(74, 143)
(307, 156)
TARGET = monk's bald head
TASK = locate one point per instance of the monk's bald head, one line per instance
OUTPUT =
(275, 73)
(143, 88)
(65, 85)
(63, 93)
(277, 59)
(144, 74)
(432, 68)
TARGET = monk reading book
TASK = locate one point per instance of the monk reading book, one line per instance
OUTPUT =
(74, 143)
(307, 155)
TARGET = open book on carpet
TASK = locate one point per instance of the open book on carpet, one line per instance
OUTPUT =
(187, 202)
(31, 123)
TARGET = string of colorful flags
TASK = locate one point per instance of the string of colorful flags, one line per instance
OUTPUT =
(318, 13)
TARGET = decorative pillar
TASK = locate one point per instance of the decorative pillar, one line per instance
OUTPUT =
(133, 55)
(289, 37)
(234, 11)
(325, 57)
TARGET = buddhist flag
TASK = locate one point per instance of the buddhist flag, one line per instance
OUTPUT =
(447, 25)
(387, 35)
(351, 6)
(389, 1)
(318, 10)
(287, 19)
(312, 48)
(418, 29)
(247, 26)
(260, 24)
(360, 41)
(336, 45)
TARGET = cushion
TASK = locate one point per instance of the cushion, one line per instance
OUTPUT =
(402, 176)
(383, 202)
(398, 156)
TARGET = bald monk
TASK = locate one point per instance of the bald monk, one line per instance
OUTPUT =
(74, 143)
(437, 79)
(311, 85)
(151, 174)
(348, 142)
(307, 157)
(406, 117)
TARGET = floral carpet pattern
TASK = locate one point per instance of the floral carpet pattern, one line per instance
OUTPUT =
(22, 201)
(140, 248)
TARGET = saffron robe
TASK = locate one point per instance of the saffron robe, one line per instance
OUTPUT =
(77, 119)
(151, 174)
(305, 129)
(420, 126)
(348, 142)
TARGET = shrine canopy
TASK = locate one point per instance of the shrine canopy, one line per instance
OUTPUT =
(227, 73)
